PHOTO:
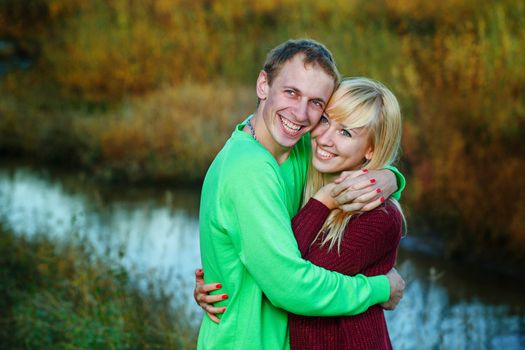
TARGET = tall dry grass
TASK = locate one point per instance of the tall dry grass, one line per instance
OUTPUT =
(117, 71)
(168, 135)
(464, 137)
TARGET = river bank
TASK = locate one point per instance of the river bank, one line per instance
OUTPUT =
(59, 296)
(421, 239)
(430, 244)
(147, 239)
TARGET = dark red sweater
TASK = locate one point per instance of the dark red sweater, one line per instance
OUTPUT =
(369, 247)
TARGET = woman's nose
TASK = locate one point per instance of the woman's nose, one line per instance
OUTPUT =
(326, 138)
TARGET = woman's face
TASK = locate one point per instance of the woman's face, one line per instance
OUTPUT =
(336, 148)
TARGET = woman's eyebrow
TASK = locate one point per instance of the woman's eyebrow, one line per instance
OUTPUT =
(357, 130)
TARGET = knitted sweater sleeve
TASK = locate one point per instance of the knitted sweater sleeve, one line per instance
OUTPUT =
(367, 238)
(308, 222)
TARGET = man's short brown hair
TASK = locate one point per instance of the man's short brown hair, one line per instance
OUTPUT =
(314, 53)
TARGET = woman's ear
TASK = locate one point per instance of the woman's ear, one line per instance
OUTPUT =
(262, 85)
(369, 153)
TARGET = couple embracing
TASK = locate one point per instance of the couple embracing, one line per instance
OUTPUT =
(299, 220)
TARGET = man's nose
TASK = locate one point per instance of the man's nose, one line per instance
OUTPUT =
(301, 110)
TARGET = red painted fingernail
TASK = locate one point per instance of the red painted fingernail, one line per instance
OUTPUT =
(199, 270)
(382, 199)
(224, 297)
(378, 190)
(372, 181)
(218, 285)
(365, 170)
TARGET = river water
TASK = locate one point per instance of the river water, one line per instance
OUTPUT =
(154, 231)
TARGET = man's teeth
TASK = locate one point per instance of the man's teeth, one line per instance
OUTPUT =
(291, 126)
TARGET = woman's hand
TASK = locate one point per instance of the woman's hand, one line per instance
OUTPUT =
(324, 196)
(206, 301)
(363, 190)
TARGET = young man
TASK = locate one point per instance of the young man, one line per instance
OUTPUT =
(250, 193)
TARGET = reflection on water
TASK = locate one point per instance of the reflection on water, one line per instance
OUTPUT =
(431, 317)
(154, 231)
(150, 231)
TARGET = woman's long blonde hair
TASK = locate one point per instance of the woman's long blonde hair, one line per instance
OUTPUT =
(359, 102)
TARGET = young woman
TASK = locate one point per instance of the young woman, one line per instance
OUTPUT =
(360, 130)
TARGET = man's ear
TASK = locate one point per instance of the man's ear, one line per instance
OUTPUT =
(262, 86)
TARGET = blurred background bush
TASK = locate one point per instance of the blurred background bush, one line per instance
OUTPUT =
(148, 91)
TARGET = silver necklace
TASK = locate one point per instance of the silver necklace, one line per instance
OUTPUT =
(252, 129)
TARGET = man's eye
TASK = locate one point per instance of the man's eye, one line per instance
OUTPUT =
(323, 120)
(290, 92)
(318, 104)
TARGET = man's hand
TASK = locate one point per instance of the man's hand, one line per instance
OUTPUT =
(363, 190)
(397, 289)
(204, 300)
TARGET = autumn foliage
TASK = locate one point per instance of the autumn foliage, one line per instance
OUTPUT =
(152, 88)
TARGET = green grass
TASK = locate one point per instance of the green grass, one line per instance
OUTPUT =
(63, 296)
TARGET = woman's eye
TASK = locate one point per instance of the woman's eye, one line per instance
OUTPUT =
(345, 133)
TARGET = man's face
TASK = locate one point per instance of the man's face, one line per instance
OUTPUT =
(294, 103)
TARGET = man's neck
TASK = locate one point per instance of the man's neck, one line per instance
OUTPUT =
(263, 136)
